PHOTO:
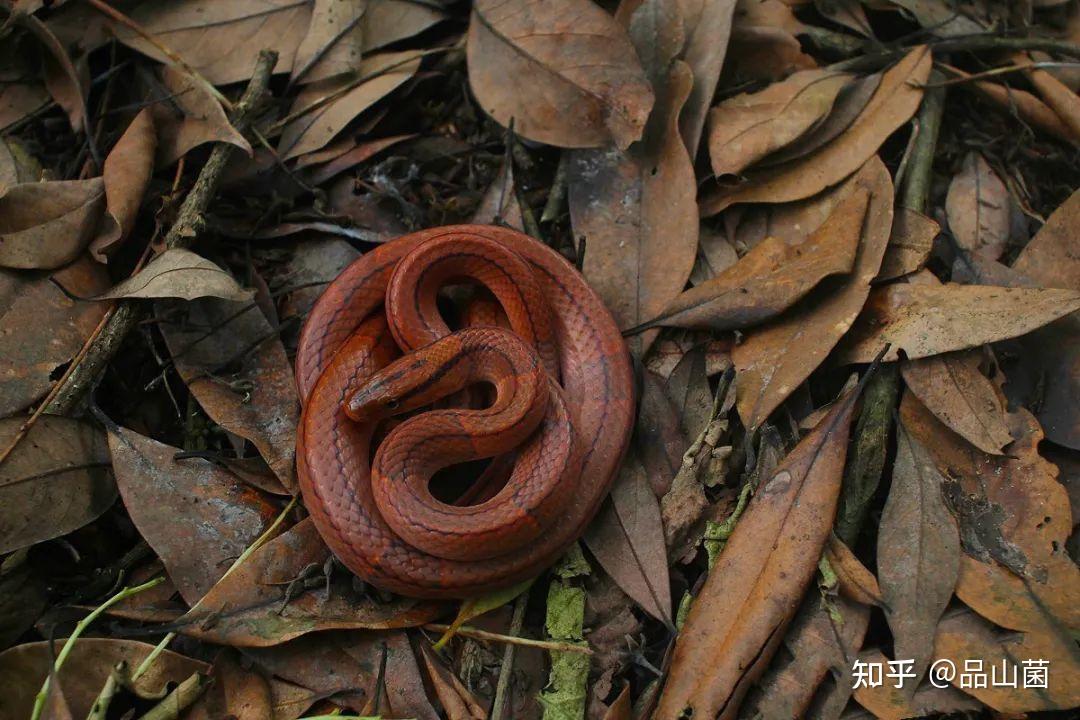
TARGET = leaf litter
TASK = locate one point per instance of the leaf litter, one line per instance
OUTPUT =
(766, 195)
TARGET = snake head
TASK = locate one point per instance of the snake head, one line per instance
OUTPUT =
(393, 390)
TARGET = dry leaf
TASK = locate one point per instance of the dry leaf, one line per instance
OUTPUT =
(41, 328)
(925, 320)
(747, 127)
(1060, 98)
(56, 480)
(321, 121)
(708, 23)
(17, 165)
(220, 40)
(910, 244)
(627, 539)
(576, 80)
(737, 622)
(773, 361)
(197, 517)
(47, 224)
(127, 173)
(1052, 257)
(239, 373)
(978, 208)
(17, 100)
(201, 118)
(955, 390)
(179, 273)
(856, 582)
(257, 604)
(637, 214)
(895, 101)
(888, 702)
(771, 277)
(918, 553)
(234, 692)
(499, 206)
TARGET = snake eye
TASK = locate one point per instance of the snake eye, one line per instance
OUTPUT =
(392, 404)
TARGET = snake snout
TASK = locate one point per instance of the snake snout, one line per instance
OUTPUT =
(368, 404)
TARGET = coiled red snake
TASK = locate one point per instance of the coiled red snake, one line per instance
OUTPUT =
(375, 345)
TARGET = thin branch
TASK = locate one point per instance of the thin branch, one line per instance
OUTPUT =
(475, 634)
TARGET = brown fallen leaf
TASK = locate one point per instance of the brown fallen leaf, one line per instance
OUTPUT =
(1060, 98)
(258, 604)
(56, 480)
(47, 225)
(499, 206)
(978, 208)
(234, 692)
(918, 553)
(127, 173)
(924, 320)
(888, 702)
(824, 638)
(1029, 108)
(23, 668)
(323, 109)
(192, 117)
(660, 438)
(955, 390)
(757, 54)
(635, 210)
(17, 100)
(1014, 522)
(17, 164)
(747, 127)
(910, 244)
(770, 277)
(356, 154)
(577, 80)
(738, 620)
(1052, 257)
(24, 596)
(459, 703)
(196, 516)
(772, 361)
(895, 101)
(627, 539)
(179, 273)
(708, 24)
(964, 637)
(220, 40)
(313, 264)
(939, 17)
(855, 581)
(234, 363)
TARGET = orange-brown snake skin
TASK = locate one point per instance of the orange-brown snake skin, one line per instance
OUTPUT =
(375, 345)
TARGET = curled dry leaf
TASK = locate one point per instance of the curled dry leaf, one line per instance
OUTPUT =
(220, 40)
(1013, 510)
(24, 668)
(924, 320)
(774, 360)
(963, 637)
(978, 208)
(324, 108)
(627, 539)
(127, 173)
(209, 339)
(737, 622)
(41, 327)
(200, 119)
(772, 276)
(893, 103)
(918, 553)
(56, 480)
(910, 244)
(179, 273)
(856, 582)
(577, 81)
(258, 604)
(46, 225)
(637, 214)
(196, 516)
(955, 390)
(747, 127)
(824, 636)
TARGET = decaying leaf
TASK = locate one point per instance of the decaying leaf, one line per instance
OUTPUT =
(978, 206)
(737, 622)
(200, 119)
(747, 127)
(854, 580)
(708, 26)
(197, 517)
(56, 480)
(918, 553)
(577, 81)
(771, 276)
(42, 327)
(179, 273)
(233, 693)
(924, 320)
(46, 225)
(892, 105)
(773, 361)
(127, 173)
(910, 244)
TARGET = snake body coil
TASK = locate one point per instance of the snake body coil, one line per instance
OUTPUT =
(375, 346)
